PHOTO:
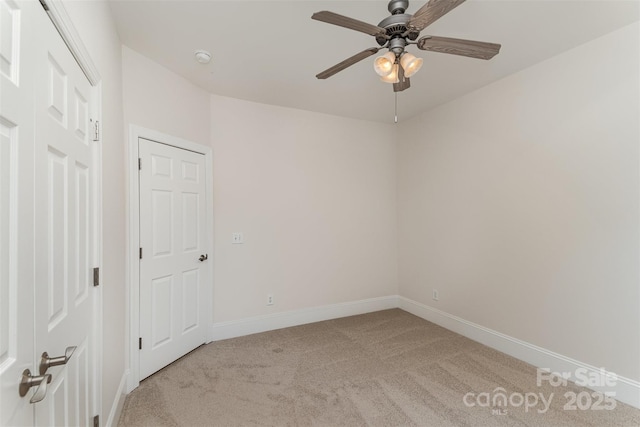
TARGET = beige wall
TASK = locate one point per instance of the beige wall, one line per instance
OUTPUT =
(314, 196)
(158, 99)
(519, 204)
(93, 22)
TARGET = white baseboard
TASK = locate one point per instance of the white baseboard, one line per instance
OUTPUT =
(118, 403)
(269, 322)
(626, 390)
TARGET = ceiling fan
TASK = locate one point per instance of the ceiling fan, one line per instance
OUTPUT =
(399, 30)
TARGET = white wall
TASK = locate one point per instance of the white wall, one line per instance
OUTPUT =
(314, 195)
(93, 21)
(519, 204)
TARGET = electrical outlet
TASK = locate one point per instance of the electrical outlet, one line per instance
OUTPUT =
(237, 238)
(270, 299)
(435, 295)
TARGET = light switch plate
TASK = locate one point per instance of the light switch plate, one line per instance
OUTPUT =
(236, 238)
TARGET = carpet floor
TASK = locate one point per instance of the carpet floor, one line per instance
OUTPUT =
(387, 368)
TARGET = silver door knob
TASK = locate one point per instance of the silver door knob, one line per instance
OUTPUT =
(46, 362)
(29, 381)
(203, 257)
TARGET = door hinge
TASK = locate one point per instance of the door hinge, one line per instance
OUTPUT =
(96, 421)
(139, 164)
(96, 131)
(140, 253)
(96, 276)
(140, 343)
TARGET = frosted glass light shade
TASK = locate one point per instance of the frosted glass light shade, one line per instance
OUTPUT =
(383, 65)
(410, 64)
(392, 77)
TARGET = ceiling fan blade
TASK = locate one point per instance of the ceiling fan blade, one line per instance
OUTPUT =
(346, 22)
(431, 12)
(348, 62)
(473, 49)
(403, 82)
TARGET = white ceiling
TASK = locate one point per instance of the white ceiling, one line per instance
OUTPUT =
(270, 51)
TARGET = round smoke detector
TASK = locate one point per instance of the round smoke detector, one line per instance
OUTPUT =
(203, 57)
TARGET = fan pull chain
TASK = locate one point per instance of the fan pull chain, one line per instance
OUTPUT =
(396, 112)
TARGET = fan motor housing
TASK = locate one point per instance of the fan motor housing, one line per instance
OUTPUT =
(396, 26)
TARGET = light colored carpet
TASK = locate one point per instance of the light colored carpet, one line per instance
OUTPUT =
(388, 368)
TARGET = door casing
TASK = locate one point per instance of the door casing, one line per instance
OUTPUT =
(133, 303)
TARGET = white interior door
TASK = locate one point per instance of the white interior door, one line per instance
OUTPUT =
(65, 203)
(173, 264)
(48, 166)
(16, 209)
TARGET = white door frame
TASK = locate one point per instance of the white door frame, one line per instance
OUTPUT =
(133, 303)
(63, 23)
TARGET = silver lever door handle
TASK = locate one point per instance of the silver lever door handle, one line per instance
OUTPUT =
(46, 362)
(29, 381)
(203, 257)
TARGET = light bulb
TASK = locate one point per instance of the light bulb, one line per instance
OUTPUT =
(410, 64)
(383, 65)
(392, 77)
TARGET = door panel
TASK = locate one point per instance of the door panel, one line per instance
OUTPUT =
(82, 205)
(11, 20)
(64, 215)
(57, 225)
(55, 407)
(8, 179)
(172, 218)
(161, 311)
(162, 201)
(190, 297)
(16, 208)
(81, 385)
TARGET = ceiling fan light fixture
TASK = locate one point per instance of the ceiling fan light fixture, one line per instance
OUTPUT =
(392, 77)
(396, 32)
(383, 65)
(410, 64)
